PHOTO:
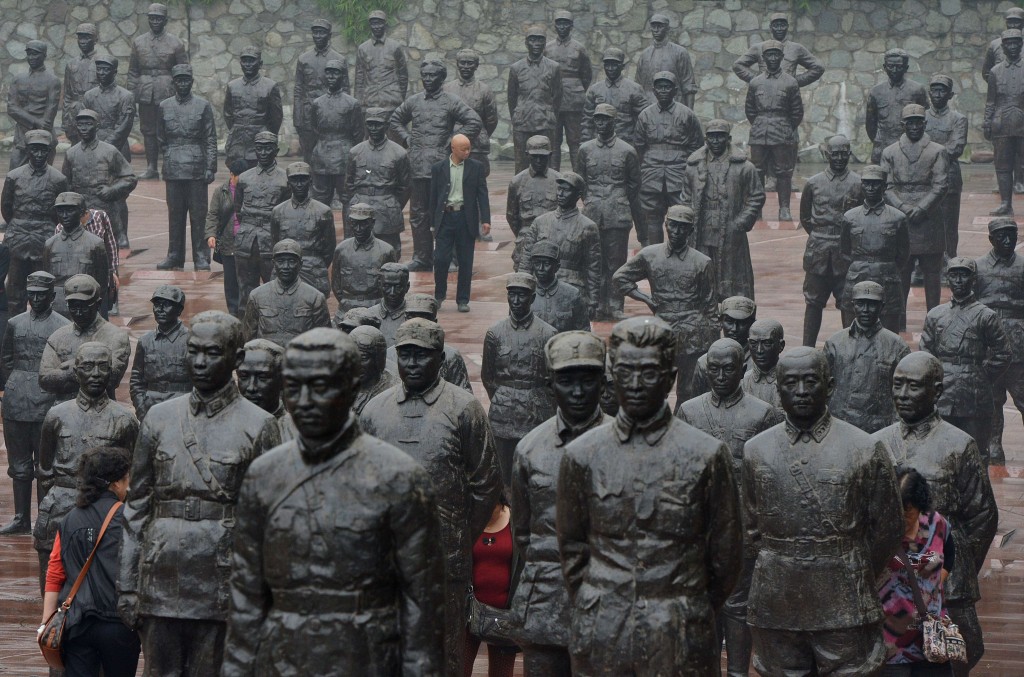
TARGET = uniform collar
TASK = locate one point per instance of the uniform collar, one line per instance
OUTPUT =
(379, 41)
(436, 95)
(300, 205)
(314, 452)
(678, 253)
(876, 210)
(832, 176)
(995, 260)
(91, 329)
(429, 395)
(760, 376)
(606, 144)
(85, 402)
(183, 100)
(773, 76)
(567, 432)
(962, 303)
(392, 314)
(172, 334)
(251, 81)
(817, 432)
(567, 213)
(920, 429)
(728, 401)
(523, 324)
(214, 403)
(91, 145)
(269, 169)
(281, 289)
(669, 108)
(867, 332)
(547, 292)
(322, 52)
(652, 430)
(534, 174)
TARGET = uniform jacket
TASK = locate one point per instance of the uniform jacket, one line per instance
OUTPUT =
(89, 167)
(1000, 286)
(32, 102)
(794, 55)
(115, 106)
(611, 170)
(56, 367)
(356, 277)
(309, 83)
(250, 107)
(311, 224)
(159, 371)
(280, 314)
(534, 94)
(732, 420)
(764, 385)
(579, 245)
(514, 373)
(434, 119)
(27, 206)
(918, 177)
(826, 197)
(949, 128)
(337, 119)
(257, 192)
(664, 140)
(884, 108)
(150, 64)
(23, 344)
(877, 243)
(79, 78)
(1004, 104)
(380, 176)
(576, 71)
(774, 109)
(382, 75)
(562, 306)
(188, 138)
(80, 252)
(666, 56)
(628, 99)
(220, 219)
(529, 196)
(480, 97)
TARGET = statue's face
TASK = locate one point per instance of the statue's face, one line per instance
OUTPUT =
(250, 65)
(259, 380)
(642, 380)
(535, 45)
(578, 392)
(914, 128)
(804, 388)
(362, 229)
(316, 395)
(40, 300)
(1014, 23)
(539, 163)
(266, 153)
(35, 58)
(166, 312)
(467, 68)
(678, 233)
(939, 95)
(332, 76)
(83, 313)
(613, 69)
(961, 282)
(772, 60)
(717, 142)
(418, 367)
(38, 154)
(915, 390)
(659, 30)
(765, 348)
(157, 23)
(874, 190)
(287, 267)
(665, 91)
(300, 185)
(779, 29)
(432, 78)
(1004, 241)
(209, 361)
(376, 130)
(86, 128)
(105, 73)
(738, 329)
(563, 27)
(86, 42)
(604, 125)
(369, 361)
(70, 216)
(321, 37)
(377, 28)
(182, 86)
(394, 288)
(545, 270)
(92, 370)
(868, 311)
(725, 371)
(838, 157)
(566, 195)
(1011, 48)
(520, 301)
(895, 67)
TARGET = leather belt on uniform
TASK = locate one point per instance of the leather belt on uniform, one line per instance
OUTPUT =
(829, 546)
(154, 71)
(326, 601)
(1008, 313)
(65, 482)
(453, 208)
(194, 509)
(519, 384)
(965, 361)
(665, 146)
(372, 191)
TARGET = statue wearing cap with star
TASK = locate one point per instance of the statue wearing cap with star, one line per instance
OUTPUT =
(885, 101)
(664, 55)
(794, 55)
(1004, 118)
(357, 261)
(79, 77)
(532, 191)
(623, 94)
(948, 127)
(308, 221)
(154, 54)
(558, 303)
(252, 104)
(336, 119)
(1014, 20)
(158, 371)
(73, 250)
(453, 368)
(577, 74)
(310, 82)
(286, 306)
(114, 105)
(534, 95)
(32, 102)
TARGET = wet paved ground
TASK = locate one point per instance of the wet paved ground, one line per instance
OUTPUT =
(776, 250)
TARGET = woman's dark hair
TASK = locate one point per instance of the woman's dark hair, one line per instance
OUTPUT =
(913, 489)
(99, 467)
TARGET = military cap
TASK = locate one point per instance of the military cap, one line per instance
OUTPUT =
(467, 55)
(39, 281)
(108, 59)
(573, 179)
(574, 349)
(739, 307)
(358, 317)
(1008, 34)
(778, 16)
(868, 290)
(360, 212)
(251, 50)
(86, 29)
(36, 46)
(1014, 13)
(421, 303)
(366, 336)
(873, 172)
(521, 281)
(81, 287)
(536, 31)
(665, 75)
(545, 249)
(943, 80)
(1002, 223)
(322, 23)
(158, 9)
(420, 332)
(69, 199)
(769, 45)
(377, 114)
(298, 169)
(181, 69)
(334, 65)
(265, 137)
(563, 15)
(614, 54)
(288, 246)
(963, 263)
(681, 214)
(605, 109)
(718, 125)
(87, 113)
(658, 19)
(170, 293)
(538, 145)
(38, 136)
(912, 110)
(378, 14)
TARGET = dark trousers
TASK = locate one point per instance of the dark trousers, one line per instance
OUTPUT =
(230, 284)
(1012, 380)
(393, 239)
(419, 221)
(844, 652)
(149, 121)
(546, 661)
(21, 267)
(519, 144)
(307, 142)
(108, 645)
(178, 647)
(978, 427)
(187, 199)
(570, 123)
(921, 669)
(328, 186)
(614, 249)
(931, 268)
(655, 204)
(22, 440)
(453, 233)
(951, 221)
(251, 269)
(966, 617)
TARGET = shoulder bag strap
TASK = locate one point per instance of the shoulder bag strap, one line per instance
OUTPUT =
(88, 562)
(812, 497)
(915, 587)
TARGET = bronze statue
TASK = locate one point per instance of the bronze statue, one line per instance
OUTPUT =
(625, 96)
(56, 366)
(25, 402)
(826, 197)
(381, 74)
(153, 56)
(252, 104)
(948, 128)
(258, 191)
(374, 377)
(435, 117)
(311, 82)
(732, 416)
(575, 361)
(286, 306)
(394, 284)
(775, 110)
(736, 315)
(1014, 17)
(531, 192)
(823, 517)
(308, 221)
(534, 95)
(378, 174)
(971, 342)
(68, 431)
(725, 192)
(1004, 118)
(577, 237)
(158, 371)
(765, 343)
(649, 524)
(114, 104)
(794, 55)
(80, 75)
(186, 476)
(188, 139)
(479, 96)
(445, 430)
(74, 250)
(27, 206)
(876, 242)
(959, 487)
(260, 381)
(1000, 287)
(577, 74)
(372, 580)
(337, 123)
(862, 358)
(682, 282)
(664, 55)
(357, 261)
(32, 102)
(558, 303)
(359, 317)
(667, 133)
(885, 102)
(610, 169)
(453, 367)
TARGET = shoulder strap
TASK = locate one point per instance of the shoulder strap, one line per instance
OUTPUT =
(812, 497)
(915, 587)
(88, 562)
(195, 454)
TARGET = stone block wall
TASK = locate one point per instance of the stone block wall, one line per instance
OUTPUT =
(848, 36)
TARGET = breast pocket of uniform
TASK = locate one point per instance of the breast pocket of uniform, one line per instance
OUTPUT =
(269, 318)
(303, 315)
(833, 489)
(676, 512)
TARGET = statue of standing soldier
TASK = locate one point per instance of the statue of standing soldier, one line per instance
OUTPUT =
(158, 371)
(381, 73)
(310, 82)
(252, 104)
(32, 102)
(625, 96)
(1004, 118)
(479, 96)
(337, 123)
(309, 222)
(286, 306)
(357, 262)
(74, 250)
(664, 55)
(114, 105)
(79, 77)
(577, 74)
(531, 192)
(885, 102)
(558, 303)
(534, 95)
(794, 56)
(765, 343)
(948, 128)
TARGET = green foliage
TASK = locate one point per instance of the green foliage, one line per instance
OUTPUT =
(350, 15)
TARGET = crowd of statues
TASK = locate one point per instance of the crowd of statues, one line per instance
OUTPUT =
(325, 477)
